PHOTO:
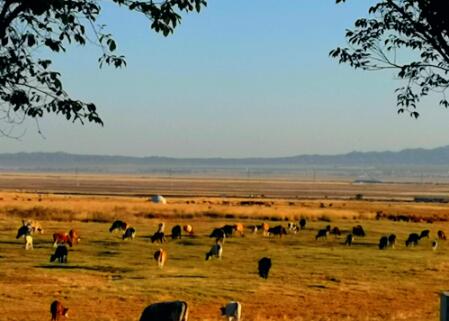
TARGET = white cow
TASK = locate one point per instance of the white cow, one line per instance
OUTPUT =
(232, 310)
(28, 242)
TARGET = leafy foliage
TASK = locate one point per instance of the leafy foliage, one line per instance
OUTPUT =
(408, 36)
(28, 85)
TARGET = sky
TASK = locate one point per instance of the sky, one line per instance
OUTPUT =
(241, 79)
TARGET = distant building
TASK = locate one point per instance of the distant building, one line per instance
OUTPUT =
(158, 199)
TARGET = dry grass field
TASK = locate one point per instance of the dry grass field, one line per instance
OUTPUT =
(110, 279)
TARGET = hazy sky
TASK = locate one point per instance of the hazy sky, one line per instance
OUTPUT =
(243, 78)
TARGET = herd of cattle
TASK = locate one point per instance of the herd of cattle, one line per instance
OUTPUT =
(178, 310)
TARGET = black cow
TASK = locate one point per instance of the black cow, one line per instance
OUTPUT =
(118, 225)
(158, 236)
(277, 230)
(424, 233)
(413, 239)
(358, 231)
(166, 311)
(228, 230)
(130, 233)
(264, 267)
(349, 240)
(302, 223)
(441, 235)
(335, 231)
(24, 230)
(322, 234)
(61, 254)
(383, 243)
(218, 234)
(392, 240)
(176, 232)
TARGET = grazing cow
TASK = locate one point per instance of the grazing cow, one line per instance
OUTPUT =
(160, 256)
(158, 236)
(383, 243)
(253, 228)
(413, 239)
(441, 235)
(57, 310)
(392, 240)
(424, 233)
(322, 234)
(161, 228)
(358, 231)
(335, 231)
(228, 230)
(349, 240)
(277, 230)
(130, 233)
(264, 267)
(188, 229)
(232, 310)
(23, 231)
(219, 234)
(118, 225)
(73, 234)
(61, 254)
(302, 223)
(166, 311)
(293, 227)
(434, 245)
(215, 251)
(62, 238)
(176, 232)
(265, 227)
(239, 228)
(28, 242)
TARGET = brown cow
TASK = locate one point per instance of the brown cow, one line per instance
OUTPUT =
(57, 310)
(188, 229)
(71, 238)
(160, 256)
(265, 227)
(239, 228)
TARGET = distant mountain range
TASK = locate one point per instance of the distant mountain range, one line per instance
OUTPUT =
(423, 158)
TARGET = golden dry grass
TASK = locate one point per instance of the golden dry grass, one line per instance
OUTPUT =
(108, 279)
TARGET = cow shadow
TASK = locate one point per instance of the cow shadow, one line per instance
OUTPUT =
(182, 276)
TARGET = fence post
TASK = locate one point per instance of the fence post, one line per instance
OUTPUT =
(444, 306)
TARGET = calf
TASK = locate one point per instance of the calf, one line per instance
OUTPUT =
(232, 310)
(215, 251)
(358, 231)
(277, 230)
(392, 240)
(61, 254)
(166, 311)
(424, 233)
(158, 236)
(349, 240)
(264, 267)
(28, 242)
(130, 233)
(434, 245)
(176, 232)
(188, 229)
(383, 243)
(118, 225)
(413, 239)
(57, 310)
(441, 235)
(302, 223)
(293, 227)
(322, 234)
(160, 256)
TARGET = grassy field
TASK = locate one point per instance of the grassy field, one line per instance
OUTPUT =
(110, 279)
